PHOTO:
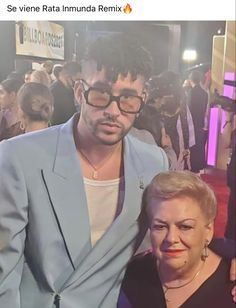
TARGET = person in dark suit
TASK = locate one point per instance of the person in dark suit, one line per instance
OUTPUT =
(198, 105)
(63, 94)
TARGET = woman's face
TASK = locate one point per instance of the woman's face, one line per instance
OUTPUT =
(179, 231)
(6, 98)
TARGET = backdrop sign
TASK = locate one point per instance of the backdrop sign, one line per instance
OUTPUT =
(40, 39)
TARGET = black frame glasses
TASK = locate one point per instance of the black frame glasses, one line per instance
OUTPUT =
(117, 99)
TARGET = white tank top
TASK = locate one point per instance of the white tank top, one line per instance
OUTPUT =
(105, 201)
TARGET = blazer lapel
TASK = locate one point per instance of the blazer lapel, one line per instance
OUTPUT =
(130, 213)
(67, 195)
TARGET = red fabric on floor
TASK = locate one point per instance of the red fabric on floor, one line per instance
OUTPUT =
(218, 184)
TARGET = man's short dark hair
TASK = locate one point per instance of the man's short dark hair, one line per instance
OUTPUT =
(15, 75)
(12, 85)
(71, 68)
(195, 76)
(56, 70)
(120, 54)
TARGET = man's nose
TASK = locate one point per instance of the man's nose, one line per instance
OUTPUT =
(113, 108)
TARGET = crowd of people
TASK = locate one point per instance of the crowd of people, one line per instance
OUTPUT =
(88, 175)
(175, 115)
(55, 82)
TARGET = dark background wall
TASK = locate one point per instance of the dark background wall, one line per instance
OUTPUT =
(7, 48)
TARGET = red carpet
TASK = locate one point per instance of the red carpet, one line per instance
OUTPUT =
(218, 184)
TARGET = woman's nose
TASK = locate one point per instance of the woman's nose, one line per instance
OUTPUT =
(172, 235)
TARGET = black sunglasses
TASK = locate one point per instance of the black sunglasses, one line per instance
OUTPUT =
(100, 98)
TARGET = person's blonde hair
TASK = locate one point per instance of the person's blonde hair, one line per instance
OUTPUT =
(40, 77)
(175, 184)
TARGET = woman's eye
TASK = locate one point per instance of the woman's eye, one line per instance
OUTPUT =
(159, 227)
(185, 227)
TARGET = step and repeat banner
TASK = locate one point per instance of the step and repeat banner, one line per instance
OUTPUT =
(42, 39)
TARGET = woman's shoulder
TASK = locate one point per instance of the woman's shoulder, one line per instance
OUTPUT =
(222, 272)
(141, 283)
(215, 291)
(218, 288)
(141, 266)
(144, 259)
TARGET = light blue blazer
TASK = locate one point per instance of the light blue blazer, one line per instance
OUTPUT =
(46, 257)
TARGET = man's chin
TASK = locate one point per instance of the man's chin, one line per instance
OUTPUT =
(110, 139)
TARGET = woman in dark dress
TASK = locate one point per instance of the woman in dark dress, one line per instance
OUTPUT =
(181, 271)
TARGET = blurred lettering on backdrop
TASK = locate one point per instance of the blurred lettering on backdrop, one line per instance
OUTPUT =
(40, 39)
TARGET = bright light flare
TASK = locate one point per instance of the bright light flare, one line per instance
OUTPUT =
(189, 55)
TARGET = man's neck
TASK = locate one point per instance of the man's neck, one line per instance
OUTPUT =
(107, 159)
(33, 126)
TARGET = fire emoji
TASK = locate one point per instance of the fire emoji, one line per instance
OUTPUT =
(127, 9)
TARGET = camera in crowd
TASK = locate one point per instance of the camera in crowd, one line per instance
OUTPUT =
(225, 102)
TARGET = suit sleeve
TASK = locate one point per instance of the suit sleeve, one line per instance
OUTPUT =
(13, 221)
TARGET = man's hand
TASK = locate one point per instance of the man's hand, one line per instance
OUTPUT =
(233, 277)
(165, 139)
(186, 154)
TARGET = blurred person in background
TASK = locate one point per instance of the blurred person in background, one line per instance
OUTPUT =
(47, 66)
(10, 125)
(198, 102)
(27, 76)
(229, 138)
(40, 76)
(35, 103)
(167, 118)
(15, 75)
(63, 93)
(57, 68)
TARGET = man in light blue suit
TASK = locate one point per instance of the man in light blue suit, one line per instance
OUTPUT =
(70, 195)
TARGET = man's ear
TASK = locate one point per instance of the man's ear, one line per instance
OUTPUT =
(78, 91)
(13, 96)
(145, 96)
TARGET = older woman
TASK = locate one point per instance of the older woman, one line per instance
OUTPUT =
(35, 103)
(181, 271)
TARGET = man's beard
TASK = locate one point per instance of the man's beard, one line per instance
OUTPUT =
(94, 127)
